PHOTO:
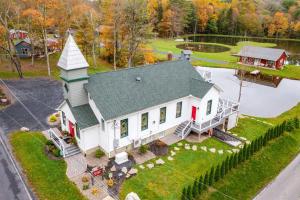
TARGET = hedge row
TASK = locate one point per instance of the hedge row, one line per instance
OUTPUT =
(216, 173)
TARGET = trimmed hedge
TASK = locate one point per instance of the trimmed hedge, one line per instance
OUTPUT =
(201, 184)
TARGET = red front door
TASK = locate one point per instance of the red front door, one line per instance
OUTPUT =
(194, 110)
(71, 129)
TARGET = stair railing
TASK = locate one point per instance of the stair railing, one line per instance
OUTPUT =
(58, 142)
(186, 129)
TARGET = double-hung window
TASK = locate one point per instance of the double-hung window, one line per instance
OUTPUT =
(178, 109)
(208, 109)
(144, 121)
(162, 115)
(124, 128)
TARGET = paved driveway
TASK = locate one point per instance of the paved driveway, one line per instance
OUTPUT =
(41, 97)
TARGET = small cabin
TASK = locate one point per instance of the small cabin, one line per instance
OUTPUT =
(262, 57)
(186, 55)
(23, 48)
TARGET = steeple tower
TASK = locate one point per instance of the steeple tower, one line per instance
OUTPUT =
(73, 72)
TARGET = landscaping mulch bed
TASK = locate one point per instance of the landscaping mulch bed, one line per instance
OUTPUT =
(159, 148)
(118, 180)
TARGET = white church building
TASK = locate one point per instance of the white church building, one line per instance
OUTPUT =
(120, 110)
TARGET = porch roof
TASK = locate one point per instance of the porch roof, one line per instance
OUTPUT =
(83, 115)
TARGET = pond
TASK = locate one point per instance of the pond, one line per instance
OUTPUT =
(257, 99)
(208, 48)
(292, 47)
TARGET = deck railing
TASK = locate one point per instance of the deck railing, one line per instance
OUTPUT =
(58, 142)
(225, 109)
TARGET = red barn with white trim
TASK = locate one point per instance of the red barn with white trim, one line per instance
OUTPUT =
(262, 57)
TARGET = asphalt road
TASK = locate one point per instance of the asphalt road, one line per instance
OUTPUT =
(38, 98)
(285, 186)
(12, 185)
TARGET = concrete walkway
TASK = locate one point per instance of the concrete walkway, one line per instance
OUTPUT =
(285, 186)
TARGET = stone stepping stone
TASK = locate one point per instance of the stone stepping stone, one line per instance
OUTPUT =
(204, 148)
(248, 142)
(179, 144)
(213, 150)
(243, 138)
(160, 161)
(235, 150)
(142, 166)
(170, 158)
(241, 146)
(234, 134)
(229, 151)
(150, 165)
(187, 146)
(176, 148)
(132, 171)
(173, 153)
(194, 148)
(220, 151)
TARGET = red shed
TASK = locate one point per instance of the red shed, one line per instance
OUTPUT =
(262, 57)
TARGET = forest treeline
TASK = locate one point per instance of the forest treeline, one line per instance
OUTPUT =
(121, 27)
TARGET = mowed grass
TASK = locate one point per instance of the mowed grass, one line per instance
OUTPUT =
(47, 177)
(167, 181)
(252, 176)
(167, 45)
(40, 67)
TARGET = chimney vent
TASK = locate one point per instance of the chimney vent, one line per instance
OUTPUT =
(138, 79)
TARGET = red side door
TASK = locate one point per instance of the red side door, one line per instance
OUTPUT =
(71, 129)
(194, 110)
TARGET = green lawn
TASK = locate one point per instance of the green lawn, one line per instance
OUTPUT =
(167, 181)
(47, 177)
(40, 68)
(167, 45)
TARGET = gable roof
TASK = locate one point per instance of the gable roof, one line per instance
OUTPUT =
(121, 92)
(261, 53)
(71, 57)
(83, 115)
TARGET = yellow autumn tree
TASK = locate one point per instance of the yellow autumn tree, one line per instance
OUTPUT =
(279, 25)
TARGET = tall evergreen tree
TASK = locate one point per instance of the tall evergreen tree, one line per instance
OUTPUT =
(211, 176)
(296, 121)
(189, 195)
(184, 194)
(227, 165)
(231, 162)
(223, 169)
(217, 173)
(195, 188)
(200, 184)
(205, 182)
(235, 160)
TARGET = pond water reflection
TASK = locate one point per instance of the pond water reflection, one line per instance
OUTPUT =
(208, 48)
(257, 99)
(293, 47)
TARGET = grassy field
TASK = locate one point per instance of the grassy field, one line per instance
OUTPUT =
(40, 67)
(167, 181)
(47, 177)
(166, 45)
(253, 175)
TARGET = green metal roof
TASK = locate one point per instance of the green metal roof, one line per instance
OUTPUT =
(84, 115)
(121, 92)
